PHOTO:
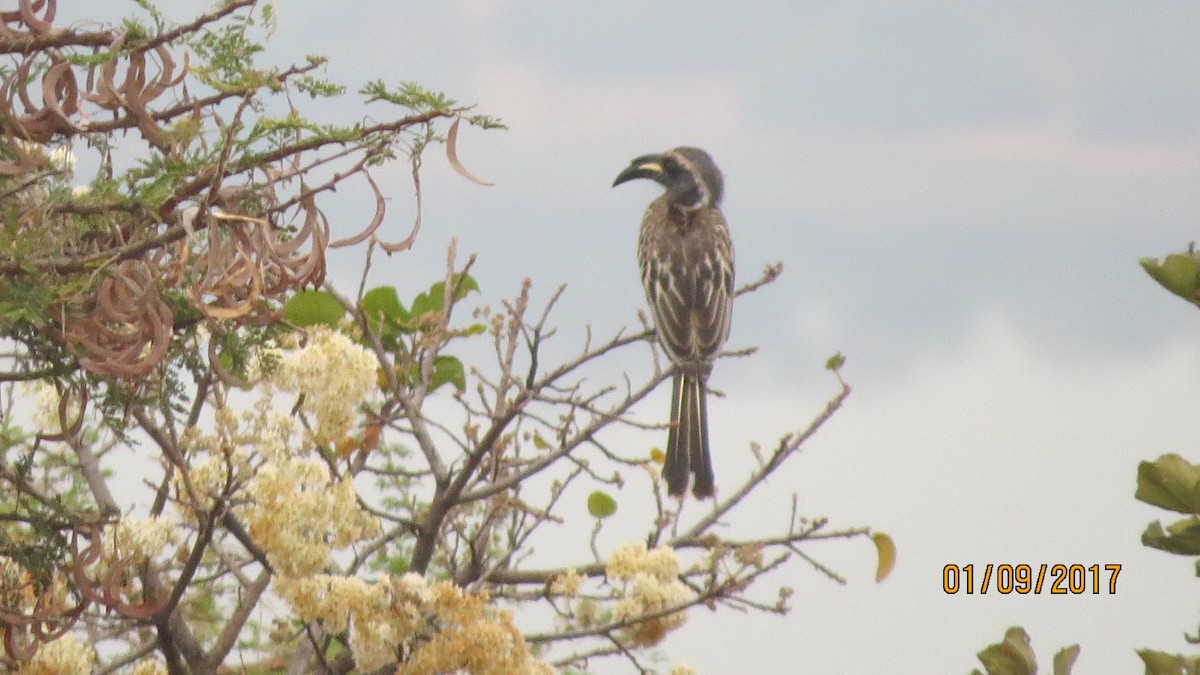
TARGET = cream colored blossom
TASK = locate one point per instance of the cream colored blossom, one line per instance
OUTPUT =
(632, 558)
(45, 399)
(63, 159)
(298, 515)
(650, 587)
(293, 508)
(681, 668)
(150, 667)
(64, 656)
(227, 454)
(329, 598)
(567, 583)
(140, 539)
(334, 374)
(439, 626)
(649, 596)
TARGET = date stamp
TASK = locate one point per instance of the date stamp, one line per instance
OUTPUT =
(1056, 579)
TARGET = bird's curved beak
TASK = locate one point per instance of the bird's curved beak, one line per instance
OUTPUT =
(646, 166)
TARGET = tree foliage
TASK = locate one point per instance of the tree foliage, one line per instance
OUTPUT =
(212, 456)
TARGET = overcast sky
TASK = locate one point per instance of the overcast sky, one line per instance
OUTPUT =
(959, 192)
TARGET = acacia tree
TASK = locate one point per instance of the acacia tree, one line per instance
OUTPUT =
(212, 457)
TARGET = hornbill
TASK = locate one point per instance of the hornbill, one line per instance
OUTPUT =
(686, 259)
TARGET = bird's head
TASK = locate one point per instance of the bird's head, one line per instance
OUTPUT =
(691, 178)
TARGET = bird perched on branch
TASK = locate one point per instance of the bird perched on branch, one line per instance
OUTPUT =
(686, 259)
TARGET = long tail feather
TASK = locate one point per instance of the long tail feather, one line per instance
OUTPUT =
(687, 440)
(701, 459)
(675, 468)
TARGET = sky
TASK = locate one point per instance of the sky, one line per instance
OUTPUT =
(959, 192)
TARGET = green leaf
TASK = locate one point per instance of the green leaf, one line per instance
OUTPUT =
(1178, 273)
(384, 313)
(1170, 482)
(1161, 663)
(1181, 537)
(835, 362)
(383, 302)
(448, 369)
(1012, 656)
(312, 308)
(425, 303)
(600, 505)
(1064, 660)
(434, 300)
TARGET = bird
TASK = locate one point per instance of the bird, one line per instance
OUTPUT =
(686, 258)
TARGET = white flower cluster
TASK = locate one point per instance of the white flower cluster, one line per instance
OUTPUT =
(64, 656)
(296, 512)
(140, 539)
(334, 374)
(45, 406)
(63, 159)
(229, 453)
(650, 586)
(631, 559)
(440, 627)
(298, 515)
(567, 583)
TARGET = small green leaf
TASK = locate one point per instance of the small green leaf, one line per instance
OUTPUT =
(448, 369)
(383, 302)
(1181, 537)
(600, 505)
(1170, 482)
(434, 300)
(1178, 273)
(1064, 660)
(312, 308)
(1013, 656)
(382, 309)
(426, 302)
(835, 362)
(1161, 663)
